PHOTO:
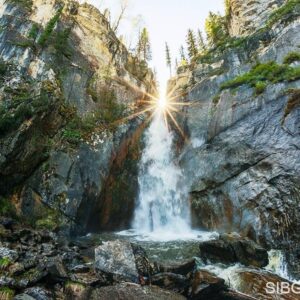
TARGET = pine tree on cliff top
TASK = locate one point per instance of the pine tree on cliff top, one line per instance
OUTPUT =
(201, 43)
(168, 58)
(191, 42)
(143, 48)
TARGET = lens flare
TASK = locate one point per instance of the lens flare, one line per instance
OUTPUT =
(150, 104)
(162, 103)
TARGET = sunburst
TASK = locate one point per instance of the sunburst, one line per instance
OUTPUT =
(166, 105)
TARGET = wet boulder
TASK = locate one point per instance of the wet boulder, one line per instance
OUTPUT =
(205, 285)
(263, 285)
(121, 261)
(232, 248)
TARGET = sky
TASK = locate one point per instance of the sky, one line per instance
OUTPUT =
(166, 21)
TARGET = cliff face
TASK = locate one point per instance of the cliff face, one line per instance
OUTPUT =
(66, 81)
(242, 161)
(248, 15)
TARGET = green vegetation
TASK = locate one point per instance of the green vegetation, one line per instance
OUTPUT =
(6, 293)
(216, 28)
(3, 68)
(191, 43)
(27, 4)
(50, 220)
(168, 58)
(262, 74)
(292, 57)
(216, 99)
(7, 208)
(260, 87)
(279, 14)
(34, 31)
(60, 43)
(23, 107)
(4, 263)
(49, 28)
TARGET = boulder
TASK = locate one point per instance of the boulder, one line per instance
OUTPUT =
(254, 283)
(7, 253)
(205, 285)
(130, 291)
(232, 248)
(122, 260)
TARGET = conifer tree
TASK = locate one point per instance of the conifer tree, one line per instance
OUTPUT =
(201, 43)
(168, 58)
(143, 48)
(191, 41)
(182, 54)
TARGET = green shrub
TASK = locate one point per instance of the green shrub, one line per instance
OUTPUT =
(216, 99)
(6, 293)
(26, 4)
(264, 73)
(289, 7)
(216, 28)
(3, 68)
(60, 43)
(4, 263)
(260, 87)
(7, 209)
(49, 28)
(72, 136)
(292, 57)
(34, 31)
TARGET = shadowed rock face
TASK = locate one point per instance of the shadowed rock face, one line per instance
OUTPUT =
(80, 66)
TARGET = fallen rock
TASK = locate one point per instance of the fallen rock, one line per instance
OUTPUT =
(254, 283)
(121, 260)
(205, 285)
(130, 291)
(38, 293)
(232, 248)
(12, 255)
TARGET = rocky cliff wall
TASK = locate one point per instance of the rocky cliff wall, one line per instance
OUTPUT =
(242, 158)
(66, 82)
(246, 16)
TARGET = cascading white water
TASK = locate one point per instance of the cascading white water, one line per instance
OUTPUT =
(162, 206)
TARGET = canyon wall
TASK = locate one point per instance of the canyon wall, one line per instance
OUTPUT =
(67, 83)
(241, 158)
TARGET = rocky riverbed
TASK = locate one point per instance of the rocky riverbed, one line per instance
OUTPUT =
(39, 264)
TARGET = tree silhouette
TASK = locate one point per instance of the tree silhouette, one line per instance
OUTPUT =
(168, 58)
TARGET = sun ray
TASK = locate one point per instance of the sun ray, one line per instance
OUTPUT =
(176, 124)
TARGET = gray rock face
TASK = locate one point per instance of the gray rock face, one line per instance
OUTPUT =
(242, 160)
(247, 16)
(71, 178)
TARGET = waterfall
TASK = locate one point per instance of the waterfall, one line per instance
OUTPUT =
(162, 206)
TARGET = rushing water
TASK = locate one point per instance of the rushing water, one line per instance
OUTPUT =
(162, 208)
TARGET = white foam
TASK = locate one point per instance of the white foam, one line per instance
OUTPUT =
(164, 235)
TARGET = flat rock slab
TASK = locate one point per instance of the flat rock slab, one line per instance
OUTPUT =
(116, 258)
